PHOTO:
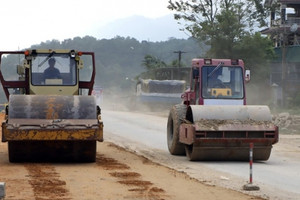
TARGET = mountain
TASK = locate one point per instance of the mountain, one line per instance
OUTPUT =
(142, 28)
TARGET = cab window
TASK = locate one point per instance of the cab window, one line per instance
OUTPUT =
(58, 69)
(222, 82)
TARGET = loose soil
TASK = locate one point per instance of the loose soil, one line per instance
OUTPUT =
(116, 174)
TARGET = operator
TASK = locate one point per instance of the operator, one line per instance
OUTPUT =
(214, 82)
(51, 72)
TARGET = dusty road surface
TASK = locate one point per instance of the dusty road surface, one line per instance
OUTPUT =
(117, 174)
(145, 134)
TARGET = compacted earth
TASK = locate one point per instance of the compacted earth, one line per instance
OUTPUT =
(116, 174)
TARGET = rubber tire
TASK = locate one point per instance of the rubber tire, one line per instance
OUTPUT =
(177, 113)
(52, 151)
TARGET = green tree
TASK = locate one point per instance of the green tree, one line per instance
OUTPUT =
(220, 24)
(151, 62)
(257, 52)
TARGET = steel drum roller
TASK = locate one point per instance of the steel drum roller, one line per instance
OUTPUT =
(52, 107)
(243, 113)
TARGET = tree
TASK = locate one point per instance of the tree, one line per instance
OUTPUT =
(256, 51)
(220, 24)
(151, 62)
(175, 63)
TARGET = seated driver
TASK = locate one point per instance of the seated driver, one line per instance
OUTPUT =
(51, 72)
(214, 82)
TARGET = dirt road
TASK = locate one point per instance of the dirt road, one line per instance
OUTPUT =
(145, 133)
(117, 174)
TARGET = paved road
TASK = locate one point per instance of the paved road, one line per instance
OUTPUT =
(278, 178)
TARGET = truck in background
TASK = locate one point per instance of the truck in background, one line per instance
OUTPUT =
(162, 87)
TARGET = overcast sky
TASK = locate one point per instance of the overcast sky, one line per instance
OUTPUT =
(28, 22)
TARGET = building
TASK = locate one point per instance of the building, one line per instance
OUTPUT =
(284, 30)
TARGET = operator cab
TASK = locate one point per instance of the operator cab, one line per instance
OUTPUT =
(224, 82)
(217, 82)
(56, 72)
(47, 72)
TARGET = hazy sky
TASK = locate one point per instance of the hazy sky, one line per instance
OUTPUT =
(28, 22)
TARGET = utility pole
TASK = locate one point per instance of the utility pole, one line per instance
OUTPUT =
(283, 70)
(283, 56)
(179, 57)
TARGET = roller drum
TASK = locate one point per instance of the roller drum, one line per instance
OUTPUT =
(52, 107)
(52, 128)
(243, 113)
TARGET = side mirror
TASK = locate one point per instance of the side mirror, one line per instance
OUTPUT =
(247, 76)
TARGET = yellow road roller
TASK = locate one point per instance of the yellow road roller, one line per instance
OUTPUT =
(51, 114)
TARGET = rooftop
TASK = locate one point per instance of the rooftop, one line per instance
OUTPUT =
(289, 1)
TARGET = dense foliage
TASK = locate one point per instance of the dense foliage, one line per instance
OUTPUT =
(221, 24)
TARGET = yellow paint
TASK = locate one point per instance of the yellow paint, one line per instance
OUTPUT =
(53, 134)
(54, 90)
(221, 92)
(51, 104)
